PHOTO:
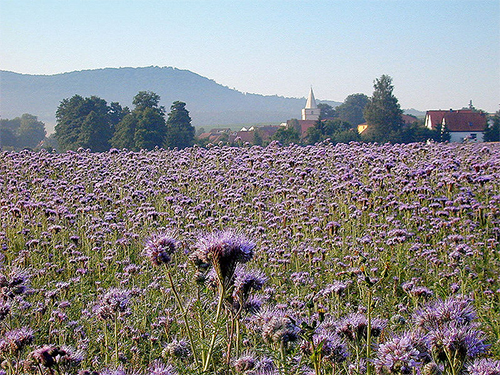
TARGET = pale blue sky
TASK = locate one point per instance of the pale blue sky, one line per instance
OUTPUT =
(441, 54)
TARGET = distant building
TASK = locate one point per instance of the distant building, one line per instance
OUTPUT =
(310, 115)
(463, 124)
(311, 110)
(215, 135)
(248, 135)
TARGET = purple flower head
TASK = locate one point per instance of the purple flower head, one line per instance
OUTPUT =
(117, 371)
(275, 326)
(334, 348)
(354, 326)
(485, 366)
(223, 250)
(246, 280)
(113, 302)
(463, 342)
(159, 248)
(65, 356)
(158, 368)
(45, 355)
(16, 339)
(397, 356)
(4, 309)
(439, 313)
(177, 349)
(14, 284)
(245, 362)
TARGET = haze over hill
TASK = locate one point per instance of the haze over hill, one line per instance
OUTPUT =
(208, 102)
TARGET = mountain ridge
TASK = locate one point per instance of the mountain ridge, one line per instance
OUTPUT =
(209, 103)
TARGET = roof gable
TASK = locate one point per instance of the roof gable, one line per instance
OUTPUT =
(464, 120)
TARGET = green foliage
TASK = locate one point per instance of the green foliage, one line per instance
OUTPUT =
(125, 132)
(382, 112)
(327, 111)
(442, 133)
(287, 135)
(144, 127)
(337, 131)
(492, 133)
(352, 109)
(22, 132)
(294, 123)
(257, 138)
(417, 132)
(83, 122)
(179, 131)
(150, 130)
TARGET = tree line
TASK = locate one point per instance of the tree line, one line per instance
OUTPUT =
(21, 132)
(91, 123)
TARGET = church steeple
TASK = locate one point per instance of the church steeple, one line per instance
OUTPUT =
(311, 111)
(311, 102)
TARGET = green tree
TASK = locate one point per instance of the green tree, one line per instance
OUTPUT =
(492, 132)
(116, 113)
(383, 113)
(31, 131)
(336, 130)
(418, 132)
(8, 132)
(179, 132)
(147, 99)
(124, 134)
(7, 138)
(95, 133)
(442, 134)
(83, 122)
(326, 111)
(151, 129)
(351, 110)
(144, 127)
(286, 135)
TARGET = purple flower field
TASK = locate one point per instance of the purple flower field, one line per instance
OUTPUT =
(326, 259)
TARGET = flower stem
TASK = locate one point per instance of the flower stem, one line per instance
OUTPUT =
(184, 314)
(214, 335)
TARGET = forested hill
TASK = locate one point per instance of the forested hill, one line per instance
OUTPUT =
(209, 103)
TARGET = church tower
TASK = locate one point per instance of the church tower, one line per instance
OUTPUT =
(311, 111)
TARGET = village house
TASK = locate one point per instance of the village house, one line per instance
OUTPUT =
(248, 135)
(462, 124)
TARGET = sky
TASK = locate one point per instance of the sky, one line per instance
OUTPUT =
(440, 53)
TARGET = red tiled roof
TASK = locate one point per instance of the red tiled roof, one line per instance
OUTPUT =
(463, 120)
(408, 120)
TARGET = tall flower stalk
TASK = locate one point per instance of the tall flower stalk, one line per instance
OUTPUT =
(223, 251)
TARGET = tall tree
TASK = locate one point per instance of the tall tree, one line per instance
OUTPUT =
(21, 132)
(180, 132)
(124, 134)
(144, 127)
(383, 113)
(351, 110)
(151, 129)
(287, 135)
(326, 111)
(95, 132)
(83, 122)
(31, 131)
(492, 133)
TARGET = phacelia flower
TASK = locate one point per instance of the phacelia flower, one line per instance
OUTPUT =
(223, 250)
(159, 248)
